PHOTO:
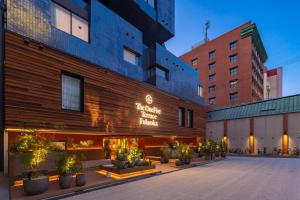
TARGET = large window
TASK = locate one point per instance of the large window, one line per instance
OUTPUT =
(212, 89)
(233, 71)
(212, 54)
(130, 56)
(212, 101)
(181, 118)
(212, 66)
(233, 45)
(161, 72)
(72, 92)
(233, 83)
(212, 77)
(71, 23)
(233, 58)
(200, 91)
(195, 62)
(233, 96)
(190, 118)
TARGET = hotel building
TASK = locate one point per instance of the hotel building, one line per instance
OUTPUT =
(231, 67)
(95, 69)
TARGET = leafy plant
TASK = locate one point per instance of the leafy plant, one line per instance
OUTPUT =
(185, 152)
(32, 149)
(134, 155)
(165, 154)
(106, 148)
(66, 164)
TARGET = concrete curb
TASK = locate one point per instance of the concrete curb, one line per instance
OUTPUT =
(264, 156)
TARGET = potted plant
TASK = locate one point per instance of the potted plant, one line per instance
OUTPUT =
(173, 146)
(66, 168)
(209, 149)
(165, 154)
(80, 178)
(32, 150)
(222, 150)
(185, 154)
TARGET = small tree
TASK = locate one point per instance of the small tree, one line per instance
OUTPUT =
(32, 149)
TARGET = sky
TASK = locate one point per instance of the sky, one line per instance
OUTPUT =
(278, 22)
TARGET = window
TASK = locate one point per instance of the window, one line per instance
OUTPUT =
(190, 118)
(233, 83)
(212, 77)
(181, 119)
(212, 54)
(233, 45)
(194, 62)
(72, 92)
(200, 91)
(70, 23)
(212, 101)
(233, 71)
(212, 66)
(151, 3)
(233, 58)
(130, 56)
(161, 72)
(233, 96)
(212, 89)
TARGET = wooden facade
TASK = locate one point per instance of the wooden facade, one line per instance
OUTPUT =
(33, 96)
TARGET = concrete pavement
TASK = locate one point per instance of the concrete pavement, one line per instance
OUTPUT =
(236, 178)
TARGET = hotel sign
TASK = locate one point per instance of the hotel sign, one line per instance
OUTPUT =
(148, 114)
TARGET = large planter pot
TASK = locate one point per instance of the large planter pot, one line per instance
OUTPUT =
(80, 179)
(187, 161)
(223, 154)
(173, 153)
(65, 181)
(164, 160)
(178, 162)
(36, 185)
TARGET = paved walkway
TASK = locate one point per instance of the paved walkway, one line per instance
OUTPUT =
(235, 178)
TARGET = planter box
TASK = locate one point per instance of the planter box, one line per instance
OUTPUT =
(127, 170)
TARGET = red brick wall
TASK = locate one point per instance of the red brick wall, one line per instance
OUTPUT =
(244, 63)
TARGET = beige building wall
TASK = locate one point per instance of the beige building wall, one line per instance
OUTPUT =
(294, 130)
(238, 134)
(215, 131)
(268, 132)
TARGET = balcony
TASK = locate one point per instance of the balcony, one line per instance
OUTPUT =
(156, 23)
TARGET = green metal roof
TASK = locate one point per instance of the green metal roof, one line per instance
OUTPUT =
(277, 106)
(251, 30)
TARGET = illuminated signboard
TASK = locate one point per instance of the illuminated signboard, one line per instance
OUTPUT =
(148, 114)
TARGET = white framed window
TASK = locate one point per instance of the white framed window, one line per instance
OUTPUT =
(70, 23)
(62, 19)
(80, 27)
(130, 56)
(71, 92)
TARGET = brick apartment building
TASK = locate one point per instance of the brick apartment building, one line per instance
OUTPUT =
(231, 66)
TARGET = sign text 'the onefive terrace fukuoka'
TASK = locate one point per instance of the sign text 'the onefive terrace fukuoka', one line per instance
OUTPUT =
(148, 114)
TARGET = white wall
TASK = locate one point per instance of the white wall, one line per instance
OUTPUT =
(294, 130)
(215, 131)
(238, 134)
(268, 132)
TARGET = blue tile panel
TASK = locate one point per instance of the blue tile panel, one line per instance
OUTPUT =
(166, 14)
(290, 104)
(109, 34)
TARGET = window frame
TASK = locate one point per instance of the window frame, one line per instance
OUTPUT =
(193, 61)
(81, 78)
(233, 93)
(214, 89)
(231, 56)
(165, 70)
(212, 54)
(212, 75)
(71, 12)
(212, 98)
(231, 85)
(235, 69)
(235, 45)
(154, 3)
(137, 56)
(181, 117)
(212, 64)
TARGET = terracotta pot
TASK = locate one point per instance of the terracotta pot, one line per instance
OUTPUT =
(80, 179)
(36, 185)
(65, 181)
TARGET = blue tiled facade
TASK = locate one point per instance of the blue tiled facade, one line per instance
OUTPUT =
(109, 34)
